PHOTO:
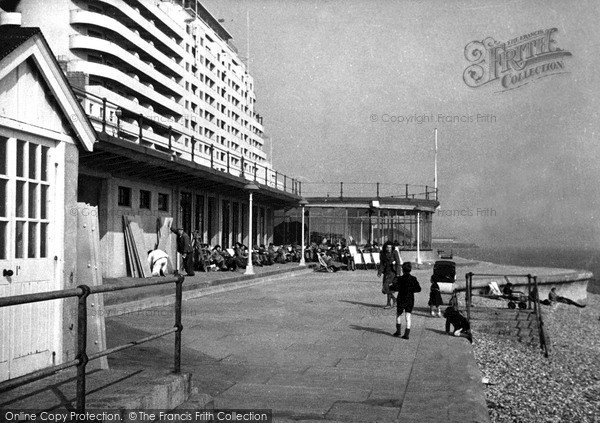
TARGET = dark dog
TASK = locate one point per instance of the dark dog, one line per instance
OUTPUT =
(459, 322)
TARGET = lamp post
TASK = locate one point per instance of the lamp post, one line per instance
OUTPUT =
(302, 203)
(250, 187)
(418, 260)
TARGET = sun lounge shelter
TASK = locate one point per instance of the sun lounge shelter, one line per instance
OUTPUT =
(404, 216)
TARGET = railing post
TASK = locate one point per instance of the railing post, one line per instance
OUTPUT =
(266, 175)
(341, 190)
(82, 357)
(255, 169)
(406, 190)
(212, 156)
(228, 160)
(529, 277)
(469, 281)
(426, 192)
(299, 187)
(178, 325)
(104, 114)
(543, 345)
(377, 189)
(275, 179)
(284, 182)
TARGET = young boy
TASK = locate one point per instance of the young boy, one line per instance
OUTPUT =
(460, 323)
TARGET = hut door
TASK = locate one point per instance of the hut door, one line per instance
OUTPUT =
(29, 333)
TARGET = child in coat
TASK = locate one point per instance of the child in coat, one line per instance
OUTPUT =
(459, 322)
(435, 299)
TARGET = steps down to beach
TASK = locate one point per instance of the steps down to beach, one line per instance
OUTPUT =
(520, 325)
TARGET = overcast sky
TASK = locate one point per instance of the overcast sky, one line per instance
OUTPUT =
(329, 73)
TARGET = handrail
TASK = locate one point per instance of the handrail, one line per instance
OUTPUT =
(245, 166)
(532, 297)
(81, 360)
(369, 189)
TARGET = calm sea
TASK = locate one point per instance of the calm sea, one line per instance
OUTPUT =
(544, 257)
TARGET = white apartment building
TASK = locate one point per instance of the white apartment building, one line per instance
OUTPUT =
(173, 106)
(171, 69)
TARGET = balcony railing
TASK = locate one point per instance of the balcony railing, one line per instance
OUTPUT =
(368, 189)
(200, 150)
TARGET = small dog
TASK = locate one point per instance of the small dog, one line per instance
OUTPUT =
(459, 322)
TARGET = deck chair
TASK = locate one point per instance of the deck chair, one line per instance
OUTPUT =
(323, 266)
(376, 259)
(357, 258)
(400, 255)
(368, 260)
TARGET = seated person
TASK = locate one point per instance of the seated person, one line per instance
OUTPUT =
(256, 261)
(271, 254)
(329, 261)
(216, 258)
(281, 257)
(241, 255)
(554, 297)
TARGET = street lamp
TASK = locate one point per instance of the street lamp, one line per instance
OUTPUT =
(250, 187)
(302, 203)
(418, 260)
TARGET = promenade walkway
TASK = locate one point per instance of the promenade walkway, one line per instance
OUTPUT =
(317, 346)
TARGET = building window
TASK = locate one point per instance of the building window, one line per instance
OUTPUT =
(124, 197)
(163, 202)
(145, 199)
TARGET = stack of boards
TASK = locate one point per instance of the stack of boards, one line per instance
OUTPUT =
(135, 244)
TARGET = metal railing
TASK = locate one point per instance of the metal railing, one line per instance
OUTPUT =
(532, 298)
(217, 158)
(82, 292)
(369, 189)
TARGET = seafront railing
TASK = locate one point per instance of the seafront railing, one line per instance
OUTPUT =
(532, 299)
(82, 292)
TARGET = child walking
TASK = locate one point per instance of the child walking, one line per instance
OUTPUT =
(408, 285)
(435, 299)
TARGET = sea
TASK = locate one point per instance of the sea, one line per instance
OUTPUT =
(580, 259)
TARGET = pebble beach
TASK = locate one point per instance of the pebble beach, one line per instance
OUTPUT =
(524, 386)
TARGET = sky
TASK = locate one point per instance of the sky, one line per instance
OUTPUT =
(338, 81)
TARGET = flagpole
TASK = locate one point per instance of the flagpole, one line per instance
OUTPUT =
(435, 184)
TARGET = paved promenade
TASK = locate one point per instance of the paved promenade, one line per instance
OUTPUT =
(315, 346)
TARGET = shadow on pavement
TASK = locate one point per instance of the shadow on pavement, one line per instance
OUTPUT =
(372, 330)
(441, 332)
(362, 304)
